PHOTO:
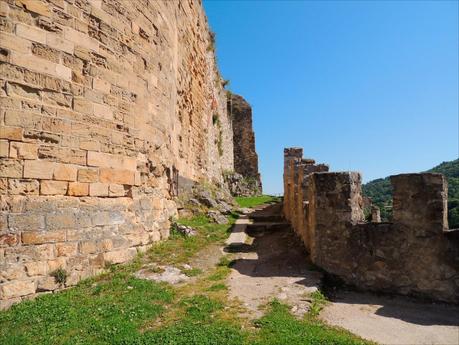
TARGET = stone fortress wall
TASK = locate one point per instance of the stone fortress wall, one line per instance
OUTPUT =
(415, 254)
(245, 155)
(104, 105)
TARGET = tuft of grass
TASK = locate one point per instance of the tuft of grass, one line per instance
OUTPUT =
(200, 307)
(217, 287)
(252, 201)
(222, 270)
(60, 276)
(278, 326)
(318, 302)
(193, 272)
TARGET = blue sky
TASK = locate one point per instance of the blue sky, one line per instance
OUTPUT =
(370, 86)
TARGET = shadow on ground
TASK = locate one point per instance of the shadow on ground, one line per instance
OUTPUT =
(278, 252)
(276, 265)
(402, 308)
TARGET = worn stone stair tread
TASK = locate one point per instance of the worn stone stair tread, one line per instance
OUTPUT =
(271, 218)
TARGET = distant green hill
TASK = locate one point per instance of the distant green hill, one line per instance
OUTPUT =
(380, 191)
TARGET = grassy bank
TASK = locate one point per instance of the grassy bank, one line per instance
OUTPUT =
(117, 309)
(252, 201)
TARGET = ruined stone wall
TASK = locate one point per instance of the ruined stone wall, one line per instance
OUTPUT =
(296, 196)
(103, 105)
(415, 254)
(245, 155)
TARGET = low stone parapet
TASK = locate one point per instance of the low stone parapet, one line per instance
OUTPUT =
(415, 254)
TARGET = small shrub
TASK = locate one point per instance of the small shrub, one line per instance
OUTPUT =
(60, 276)
(215, 119)
(219, 140)
(211, 46)
(318, 302)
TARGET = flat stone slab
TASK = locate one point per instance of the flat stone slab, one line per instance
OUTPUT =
(167, 274)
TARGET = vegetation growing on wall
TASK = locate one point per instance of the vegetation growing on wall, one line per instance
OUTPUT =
(219, 139)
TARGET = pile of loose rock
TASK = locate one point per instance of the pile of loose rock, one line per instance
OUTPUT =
(215, 203)
(185, 230)
(242, 186)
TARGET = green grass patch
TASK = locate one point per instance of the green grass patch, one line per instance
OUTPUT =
(278, 326)
(200, 307)
(186, 332)
(217, 287)
(193, 272)
(318, 302)
(223, 269)
(252, 201)
(179, 249)
(109, 310)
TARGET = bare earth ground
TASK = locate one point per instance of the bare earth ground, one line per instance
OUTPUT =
(271, 263)
(394, 320)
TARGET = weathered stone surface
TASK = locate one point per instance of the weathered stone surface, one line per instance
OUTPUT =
(205, 197)
(242, 186)
(98, 189)
(78, 189)
(11, 133)
(23, 150)
(99, 159)
(120, 256)
(217, 217)
(65, 172)
(36, 268)
(185, 230)
(66, 249)
(245, 155)
(35, 237)
(47, 284)
(115, 190)
(8, 240)
(167, 274)
(88, 175)
(20, 222)
(53, 187)
(4, 148)
(17, 289)
(39, 169)
(116, 176)
(98, 127)
(23, 187)
(10, 168)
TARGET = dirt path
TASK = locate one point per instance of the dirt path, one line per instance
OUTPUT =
(394, 320)
(271, 263)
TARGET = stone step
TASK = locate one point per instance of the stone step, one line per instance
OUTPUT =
(267, 226)
(267, 218)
